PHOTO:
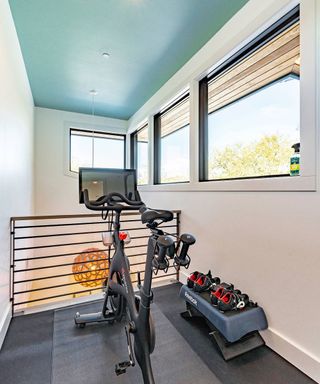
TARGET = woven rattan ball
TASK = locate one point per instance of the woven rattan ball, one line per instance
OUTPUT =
(91, 267)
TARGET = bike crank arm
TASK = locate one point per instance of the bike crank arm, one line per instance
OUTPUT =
(122, 367)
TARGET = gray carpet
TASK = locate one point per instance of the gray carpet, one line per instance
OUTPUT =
(27, 351)
(88, 356)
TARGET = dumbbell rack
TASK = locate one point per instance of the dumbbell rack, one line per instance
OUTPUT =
(234, 332)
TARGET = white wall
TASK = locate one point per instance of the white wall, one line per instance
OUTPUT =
(267, 243)
(16, 148)
(56, 189)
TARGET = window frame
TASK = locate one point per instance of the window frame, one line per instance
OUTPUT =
(243, 28)
(134, 148)
(157, 140)
(90, 133)
(259, 41)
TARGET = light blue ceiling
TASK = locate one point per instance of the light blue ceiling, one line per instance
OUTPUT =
(62, 42)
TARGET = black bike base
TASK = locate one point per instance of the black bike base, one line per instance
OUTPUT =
(97, 317)
(244, 345)
(229, 350)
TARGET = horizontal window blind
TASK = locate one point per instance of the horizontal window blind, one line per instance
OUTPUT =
(143, 134)
(176, 117)
(274, 60)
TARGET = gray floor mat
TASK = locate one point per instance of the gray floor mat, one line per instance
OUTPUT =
(27, 347)
(88, 356)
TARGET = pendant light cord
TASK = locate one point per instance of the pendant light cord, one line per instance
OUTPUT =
(93, 94)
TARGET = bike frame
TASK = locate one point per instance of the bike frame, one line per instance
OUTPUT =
(139, 317)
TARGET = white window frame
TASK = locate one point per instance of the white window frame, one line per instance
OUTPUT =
(129, 154)
(256, 16)
(69, 125)
(157, 141)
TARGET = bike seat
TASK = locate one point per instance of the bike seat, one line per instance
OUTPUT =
(150, 215)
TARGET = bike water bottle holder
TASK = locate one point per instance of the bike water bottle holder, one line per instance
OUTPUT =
(178, 263)
(162, 266)
(107, 238)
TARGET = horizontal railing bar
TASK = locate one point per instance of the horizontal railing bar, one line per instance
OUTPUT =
(57, 217)
(67, 264)
(56, 235)
(58, 265)
(157, 277)
(56, 296)
(69, 244)
(57, 276)
(87, 290)
(77, 253)
(54, 277)
(55, 245)
(55, 286)
(85, 233)
(70, 224)
(165, 275)
(60, 225)
(153, 276)
(66, 285)
(72, 229)
(70, 254)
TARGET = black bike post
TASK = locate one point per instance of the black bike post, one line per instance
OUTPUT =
(143, 352)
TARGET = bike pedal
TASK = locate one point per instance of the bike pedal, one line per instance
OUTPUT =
(122, 367)
(120, 371)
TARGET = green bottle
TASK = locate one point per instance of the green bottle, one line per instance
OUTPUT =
(295, 160)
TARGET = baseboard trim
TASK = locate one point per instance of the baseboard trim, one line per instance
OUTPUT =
(183, 276)
(4, 324)
(295, 355)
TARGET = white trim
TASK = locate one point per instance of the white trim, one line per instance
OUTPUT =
(183, 276)
(255, 17)
(272, 184)
(296, 355)
(151, 150)
(308, 87)
(4, 323)
(194, 133)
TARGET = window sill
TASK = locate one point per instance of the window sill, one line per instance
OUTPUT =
(270, 184)
(69, 173)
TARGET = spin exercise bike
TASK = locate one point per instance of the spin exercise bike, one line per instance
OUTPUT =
(105, 190)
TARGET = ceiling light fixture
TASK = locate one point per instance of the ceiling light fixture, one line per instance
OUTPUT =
(106, 55)
(93, 93)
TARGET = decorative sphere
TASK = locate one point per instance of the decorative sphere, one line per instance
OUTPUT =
(91, 264)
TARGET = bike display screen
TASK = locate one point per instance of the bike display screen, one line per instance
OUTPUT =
(102, 181)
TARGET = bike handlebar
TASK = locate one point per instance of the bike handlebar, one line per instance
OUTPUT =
(99, 205)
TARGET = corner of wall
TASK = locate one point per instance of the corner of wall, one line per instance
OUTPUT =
(4, 323)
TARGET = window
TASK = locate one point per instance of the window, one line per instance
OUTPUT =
(249, 108)
(139, 153)
(171, 143)
(96, 149)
